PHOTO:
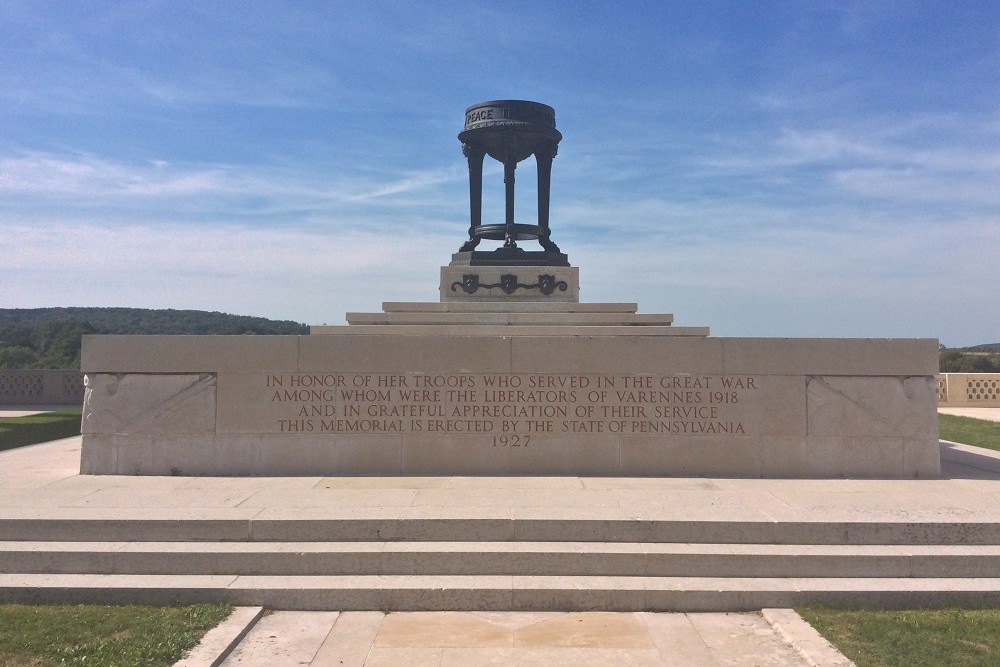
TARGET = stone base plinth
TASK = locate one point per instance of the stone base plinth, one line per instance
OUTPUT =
(438, 402)
(510, 283)
(509, 257)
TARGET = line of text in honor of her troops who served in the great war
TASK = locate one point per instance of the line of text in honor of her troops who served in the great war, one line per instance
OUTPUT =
(510, 409)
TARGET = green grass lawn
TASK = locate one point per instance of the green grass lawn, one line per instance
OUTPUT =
(20, 431)
(912, 638)
(969, 431)
(99, 636)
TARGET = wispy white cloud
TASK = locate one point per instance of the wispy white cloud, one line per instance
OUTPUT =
(915, 186)
(91, 177)
(411, 182)
(271, 189)
(881, 163)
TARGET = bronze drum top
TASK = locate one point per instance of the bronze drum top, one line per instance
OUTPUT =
(519, 115)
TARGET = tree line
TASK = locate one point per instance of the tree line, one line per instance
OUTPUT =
(50, 337)
(978, 359)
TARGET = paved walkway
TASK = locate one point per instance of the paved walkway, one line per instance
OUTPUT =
(44, 479)
(775, 637)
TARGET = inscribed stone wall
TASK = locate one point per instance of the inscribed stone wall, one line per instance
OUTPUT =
(381, 404)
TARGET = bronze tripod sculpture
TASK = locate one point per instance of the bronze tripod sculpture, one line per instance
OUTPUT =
(510, 131)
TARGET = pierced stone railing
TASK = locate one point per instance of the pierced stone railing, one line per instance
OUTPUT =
(41, 387)
(969, 390)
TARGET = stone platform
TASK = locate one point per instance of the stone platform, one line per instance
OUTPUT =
(509, 387)
(496, 543)
(510, 318)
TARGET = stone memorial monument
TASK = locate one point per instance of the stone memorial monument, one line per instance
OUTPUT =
(508, 373)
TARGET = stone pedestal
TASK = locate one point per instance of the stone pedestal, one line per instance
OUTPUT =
(510, 283)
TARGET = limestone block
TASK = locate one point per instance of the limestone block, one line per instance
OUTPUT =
(780, 403)
(567, 455)
(98, 454)
(301, 455)
(838, 456)
(238, 455)
(183, 455)
(149, 404)
(679, 456)
(187, 354)
(453, 454)
(922, 457)
(830, 356)
(368, 456)
(245, 403)
(783, 456)
(617, 354)
(386, 353)
(872, 406)
(134, 455)
(328, 454)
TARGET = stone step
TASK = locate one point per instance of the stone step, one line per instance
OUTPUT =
(509, 319)
(498, 558)
(499, 593)
(410, 524)
(507, 307)
(493, 330)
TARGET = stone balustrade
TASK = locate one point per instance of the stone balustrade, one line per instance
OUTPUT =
(969, 390)
(41, 387)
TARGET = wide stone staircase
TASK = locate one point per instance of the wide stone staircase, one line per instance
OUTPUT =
(475, 559)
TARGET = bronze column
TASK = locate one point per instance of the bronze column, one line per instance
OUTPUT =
(509, 165)
(475, 158)
(543, 162)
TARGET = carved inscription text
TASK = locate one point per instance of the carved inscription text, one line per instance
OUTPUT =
(502, 406)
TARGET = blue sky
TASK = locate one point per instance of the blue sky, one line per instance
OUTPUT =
(762, 168)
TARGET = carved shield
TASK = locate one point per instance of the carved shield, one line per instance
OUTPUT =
(470, 283)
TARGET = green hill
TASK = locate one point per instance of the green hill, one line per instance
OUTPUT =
(977, 359)
(50, 337)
